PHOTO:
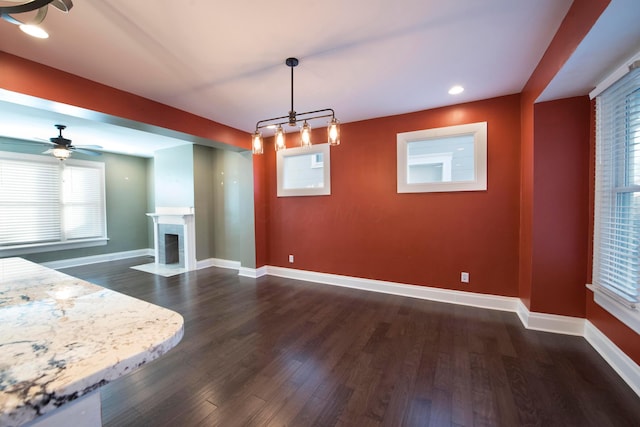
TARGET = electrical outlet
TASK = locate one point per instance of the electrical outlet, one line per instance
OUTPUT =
(291, 259)
(464, 277)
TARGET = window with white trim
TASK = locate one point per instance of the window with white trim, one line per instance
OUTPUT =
(452, 158)
(616, 258)
(47, 204)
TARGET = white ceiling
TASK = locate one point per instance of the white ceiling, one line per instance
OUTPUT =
(363, 58)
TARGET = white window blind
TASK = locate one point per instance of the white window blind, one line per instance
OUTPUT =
(616, 269)
(44, 201)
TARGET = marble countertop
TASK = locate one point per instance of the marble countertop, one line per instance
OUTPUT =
(62, 337)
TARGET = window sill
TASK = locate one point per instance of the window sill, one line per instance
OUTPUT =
(627, 314)
(49, 247)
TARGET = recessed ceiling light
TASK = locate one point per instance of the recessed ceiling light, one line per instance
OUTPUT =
(455, 90)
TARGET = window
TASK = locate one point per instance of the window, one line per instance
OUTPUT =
(46, 204)
(616, 260)
(304, 171)
(453, 158)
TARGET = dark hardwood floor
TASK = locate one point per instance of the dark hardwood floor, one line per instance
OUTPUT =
(276, 352)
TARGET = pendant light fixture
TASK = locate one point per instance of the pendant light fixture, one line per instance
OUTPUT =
(32, 26)
(292, 119)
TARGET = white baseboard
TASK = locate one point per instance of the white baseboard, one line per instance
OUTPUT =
(217, 262)
(253, 273)
(494, 302)
(550, 322)
(75, 262)
(628, 370)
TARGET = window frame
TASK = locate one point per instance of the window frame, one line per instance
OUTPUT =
(479, 183)
(612, 174)
(312, 151)
(64, 243)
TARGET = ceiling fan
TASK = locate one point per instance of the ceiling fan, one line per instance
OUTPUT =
(62, 147)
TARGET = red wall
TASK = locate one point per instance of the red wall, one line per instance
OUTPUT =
(579, 20)
(30, 78)
(366, 229)
(561, 206)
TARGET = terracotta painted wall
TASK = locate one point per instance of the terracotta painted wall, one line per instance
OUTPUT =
(366, 229)
(579, 20)
(30, 78)
(561, 206)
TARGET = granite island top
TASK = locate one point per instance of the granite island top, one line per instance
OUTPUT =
(62, 337)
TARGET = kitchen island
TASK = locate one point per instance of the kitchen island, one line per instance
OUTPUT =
(62, 338)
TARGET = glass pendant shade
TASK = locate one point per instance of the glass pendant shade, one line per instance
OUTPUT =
(333, 132)
(256, 144)
(305, 135)
(279, 136)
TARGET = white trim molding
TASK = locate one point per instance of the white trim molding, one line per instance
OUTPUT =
(550, 322)
(628, 370)
(494, 302)
(217, 262)
(75, 262)
(253, 273)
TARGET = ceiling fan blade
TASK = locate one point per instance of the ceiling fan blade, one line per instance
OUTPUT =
(90, 147)
(49, 151)
(87, 152)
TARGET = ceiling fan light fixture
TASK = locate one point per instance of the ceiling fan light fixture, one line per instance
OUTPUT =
(61, 153)
(31, 27)
(34, 31)
(292, 118)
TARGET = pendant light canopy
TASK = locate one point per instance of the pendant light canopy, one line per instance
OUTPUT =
(292, 119)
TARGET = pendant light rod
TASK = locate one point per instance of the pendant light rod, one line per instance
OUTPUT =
(293, 117)
(292, 63)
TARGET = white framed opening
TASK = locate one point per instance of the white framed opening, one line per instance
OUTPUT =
(304, 171)
(452, 158)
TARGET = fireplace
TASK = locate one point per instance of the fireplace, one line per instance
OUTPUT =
(174, 237)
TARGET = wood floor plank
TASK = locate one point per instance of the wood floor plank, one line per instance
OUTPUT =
(280, 352)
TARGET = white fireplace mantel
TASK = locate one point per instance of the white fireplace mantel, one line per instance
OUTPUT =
(178, 216)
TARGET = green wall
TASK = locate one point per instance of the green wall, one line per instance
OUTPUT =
(224, 205)
(173, 172)
(217, 183)
(126, 203)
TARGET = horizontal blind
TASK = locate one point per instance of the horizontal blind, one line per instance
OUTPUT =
(617, 215)
(82, 202)
(29, 202)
